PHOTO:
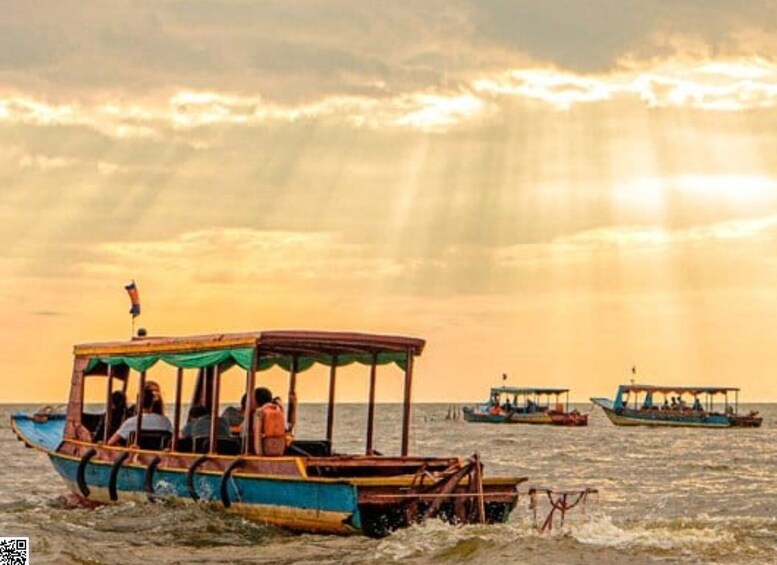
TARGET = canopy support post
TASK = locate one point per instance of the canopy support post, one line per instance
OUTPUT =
(406, 403)
(139, 407)
(177, 422)
(248, 413)
(330, 411)
(214, 409)
(108, 404)
(292, 413)
(371, 406)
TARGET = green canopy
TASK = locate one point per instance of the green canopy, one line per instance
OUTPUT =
(241, 356)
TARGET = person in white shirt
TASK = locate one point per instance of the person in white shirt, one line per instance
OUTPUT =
(151, 421)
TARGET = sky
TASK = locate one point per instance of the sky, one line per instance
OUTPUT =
(552, 189)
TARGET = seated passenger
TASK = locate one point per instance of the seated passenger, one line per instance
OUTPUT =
(198, 426)
(697, 405)
(118, 413)
(269, 425)
(234, 416)
(151, 421)
(159, 405)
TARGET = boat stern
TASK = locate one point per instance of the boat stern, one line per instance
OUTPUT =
(458, 495)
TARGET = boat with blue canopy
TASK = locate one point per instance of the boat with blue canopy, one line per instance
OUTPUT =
(307, 486)
(677, 406)
(525, 405)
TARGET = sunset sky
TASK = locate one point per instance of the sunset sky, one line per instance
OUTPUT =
(556, 190)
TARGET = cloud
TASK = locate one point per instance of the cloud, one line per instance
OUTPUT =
(601, 35)
(579, 246)
(245, 256)
(724, 86)
(297, 52)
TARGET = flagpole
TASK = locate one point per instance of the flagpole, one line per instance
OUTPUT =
(132, 289)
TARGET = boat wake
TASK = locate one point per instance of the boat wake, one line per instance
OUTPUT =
(737, 540)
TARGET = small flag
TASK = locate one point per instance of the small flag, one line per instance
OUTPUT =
(132, 290)
(504, 376)
(634, 370)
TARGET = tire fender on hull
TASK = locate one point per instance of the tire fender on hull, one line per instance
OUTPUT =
(148, 479)
(117, 463)
(80, 480)
(223, 488)
(190, 476)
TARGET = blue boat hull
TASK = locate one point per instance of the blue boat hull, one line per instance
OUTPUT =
(304, 505)
(661, 418)
(281, 491)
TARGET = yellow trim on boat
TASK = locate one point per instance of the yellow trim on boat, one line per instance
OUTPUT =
(150, 346)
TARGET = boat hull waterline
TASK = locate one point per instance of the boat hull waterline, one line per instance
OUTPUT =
(673, 418)
(297, 501)
(548, 418)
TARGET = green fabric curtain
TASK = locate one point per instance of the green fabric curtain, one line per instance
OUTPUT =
(226, 358)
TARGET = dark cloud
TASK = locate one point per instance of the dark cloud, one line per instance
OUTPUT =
(593, 35)
(293, 51)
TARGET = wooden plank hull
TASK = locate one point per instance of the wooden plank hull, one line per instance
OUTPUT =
(328, 495)
(301, 505)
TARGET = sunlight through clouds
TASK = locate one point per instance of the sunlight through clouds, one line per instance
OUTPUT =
(651, 192)
(264, 256)
(479, 168)
(715, 86)
(723, 86)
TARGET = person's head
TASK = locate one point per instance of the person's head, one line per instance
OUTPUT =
(118, 400)
(197, 411)
(154, 387)
(156, 390)
(148, 400)
(262, 396)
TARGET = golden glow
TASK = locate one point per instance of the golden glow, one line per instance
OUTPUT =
(558, 211)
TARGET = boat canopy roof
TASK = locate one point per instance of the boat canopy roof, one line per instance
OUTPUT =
(527, 390)
(677, 389)
(274, 348)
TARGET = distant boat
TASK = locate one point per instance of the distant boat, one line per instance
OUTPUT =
(513, 405)
(640, 405)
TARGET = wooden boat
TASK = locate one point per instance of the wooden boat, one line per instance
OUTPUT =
(525, 406)
(640, 405)
(308, 488)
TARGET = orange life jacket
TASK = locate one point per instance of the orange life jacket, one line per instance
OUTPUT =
(273, 422)
(273, 429)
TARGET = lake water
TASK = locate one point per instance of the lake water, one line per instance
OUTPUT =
(665, 496)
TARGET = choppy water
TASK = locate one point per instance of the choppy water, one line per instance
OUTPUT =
(666, 496)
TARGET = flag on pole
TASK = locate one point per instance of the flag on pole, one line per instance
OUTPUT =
(132, 290)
